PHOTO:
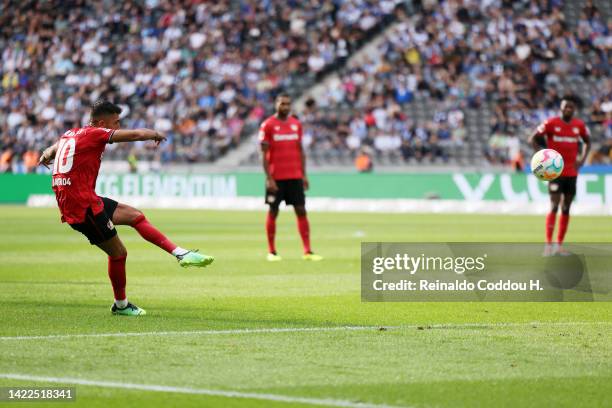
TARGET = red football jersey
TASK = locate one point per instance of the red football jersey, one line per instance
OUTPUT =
(75, 170)
(564, 137)
(284, 155)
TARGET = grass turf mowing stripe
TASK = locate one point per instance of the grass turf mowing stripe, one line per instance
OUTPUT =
(197, 391)
(299, 329)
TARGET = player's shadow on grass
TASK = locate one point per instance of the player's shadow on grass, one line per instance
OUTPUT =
(63, 304)
(57, 282)
(193, 318)
(224, 317)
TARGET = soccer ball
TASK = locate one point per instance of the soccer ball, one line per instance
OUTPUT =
(547, 164)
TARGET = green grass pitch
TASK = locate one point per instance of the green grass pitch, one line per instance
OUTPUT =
(52, 282)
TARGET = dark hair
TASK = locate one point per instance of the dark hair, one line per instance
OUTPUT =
(283, 95)
(102, 107)
(573, 99)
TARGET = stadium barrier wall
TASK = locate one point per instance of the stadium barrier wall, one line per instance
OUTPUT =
(423, 192)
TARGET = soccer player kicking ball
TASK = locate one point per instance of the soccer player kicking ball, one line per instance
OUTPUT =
(284, 163)
(78, 155)
(564, 134)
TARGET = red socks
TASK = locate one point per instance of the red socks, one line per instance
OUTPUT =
(304, 229)
(152, 234)
(116, 273)
(116, 266)
(550, 226)
(563, 222)
(271, 232)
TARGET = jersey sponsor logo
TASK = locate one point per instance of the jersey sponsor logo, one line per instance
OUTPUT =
(282, 138)
(564, 139)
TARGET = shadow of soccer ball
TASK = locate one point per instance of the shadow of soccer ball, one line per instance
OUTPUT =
(564, 271)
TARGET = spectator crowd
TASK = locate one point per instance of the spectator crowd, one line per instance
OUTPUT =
(199, 71)
(511, 60)
(205, 73)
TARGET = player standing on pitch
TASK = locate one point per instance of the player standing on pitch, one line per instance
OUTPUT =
(564, 134)
(79, 154)
(284, 163)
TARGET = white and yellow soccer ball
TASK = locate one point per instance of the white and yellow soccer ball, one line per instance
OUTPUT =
(547, 164)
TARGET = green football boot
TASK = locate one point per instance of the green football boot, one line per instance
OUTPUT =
(312, 257)
(273, 257)
(193, 258)
(129, 310)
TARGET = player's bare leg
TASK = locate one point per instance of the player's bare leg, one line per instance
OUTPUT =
(271, 233)
(555, 199)
(117, 255)
(127, 215)
(566, 204)
(304, 229)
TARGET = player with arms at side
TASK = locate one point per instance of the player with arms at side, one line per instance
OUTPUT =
(78, 155)
(284, 163)
(564, 134)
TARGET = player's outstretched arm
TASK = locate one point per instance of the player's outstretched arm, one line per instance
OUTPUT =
(48, 155)
(135, 135)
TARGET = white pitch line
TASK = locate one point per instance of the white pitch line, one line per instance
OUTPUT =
(198, 391)
(193, 332)
(297, 330)
(505, 324)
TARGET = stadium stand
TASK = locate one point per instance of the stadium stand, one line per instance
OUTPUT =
(507, 80)
(454, 82)
(202, 72)
(465, 83)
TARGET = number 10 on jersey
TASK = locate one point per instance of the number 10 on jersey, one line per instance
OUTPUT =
(64, 157)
